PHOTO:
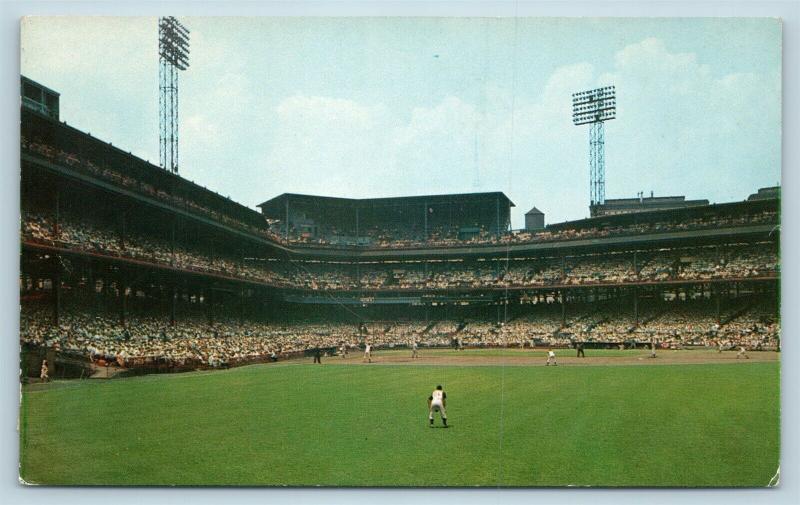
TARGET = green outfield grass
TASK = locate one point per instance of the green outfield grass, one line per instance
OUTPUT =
(300, 424)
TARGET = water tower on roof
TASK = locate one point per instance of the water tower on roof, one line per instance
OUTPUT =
(534, 220)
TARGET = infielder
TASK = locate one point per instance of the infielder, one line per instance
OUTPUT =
(551, 357)
(368, 354)
(414, 350)
(436, 403)
(742, 353)
(343, 351)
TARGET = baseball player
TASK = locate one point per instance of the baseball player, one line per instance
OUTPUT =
(414, 350)
(437, 402)
(43, 373)
(368, 353)
(551, 357)
(742, 353)
(579, 347)
(343, 350)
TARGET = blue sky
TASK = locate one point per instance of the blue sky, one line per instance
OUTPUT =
(368, 107)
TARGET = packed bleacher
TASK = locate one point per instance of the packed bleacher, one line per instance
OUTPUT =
(699, 263)
(448, 236)
(85, 236)
(148, 342)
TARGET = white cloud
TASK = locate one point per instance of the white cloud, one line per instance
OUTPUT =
(683, 123)
(670, 128)
(327, 145)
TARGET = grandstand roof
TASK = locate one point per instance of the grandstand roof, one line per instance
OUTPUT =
(68, 136)
(651, 215)
(31, 81)
(280, 201)
(766, 193)
(639, 204)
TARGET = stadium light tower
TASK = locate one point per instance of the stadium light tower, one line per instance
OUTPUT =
(173, 53)
(595, 107)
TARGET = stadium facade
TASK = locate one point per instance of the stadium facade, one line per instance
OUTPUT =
(104, 232)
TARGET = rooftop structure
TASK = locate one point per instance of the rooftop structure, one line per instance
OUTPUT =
(359, 221)
(39, 98)
(534, 220)
(642, 204)
(766, 193)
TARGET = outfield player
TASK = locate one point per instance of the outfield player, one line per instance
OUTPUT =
(368, 353)
(437, 402)
(551, 357)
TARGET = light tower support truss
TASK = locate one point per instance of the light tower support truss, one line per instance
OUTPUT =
(595, 107)
(173, 57)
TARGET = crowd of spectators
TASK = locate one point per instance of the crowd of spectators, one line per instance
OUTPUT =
(395, 237)
(83, 235)
(148, 341)
(698, 263)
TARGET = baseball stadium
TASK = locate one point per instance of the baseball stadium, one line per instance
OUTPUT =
(171, 336)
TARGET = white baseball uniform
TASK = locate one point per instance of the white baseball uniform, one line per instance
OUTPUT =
(437, 404)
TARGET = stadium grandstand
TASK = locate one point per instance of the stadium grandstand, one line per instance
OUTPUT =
(389, 222)
(129, 266)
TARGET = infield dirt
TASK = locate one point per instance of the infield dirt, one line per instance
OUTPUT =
(566, 357)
